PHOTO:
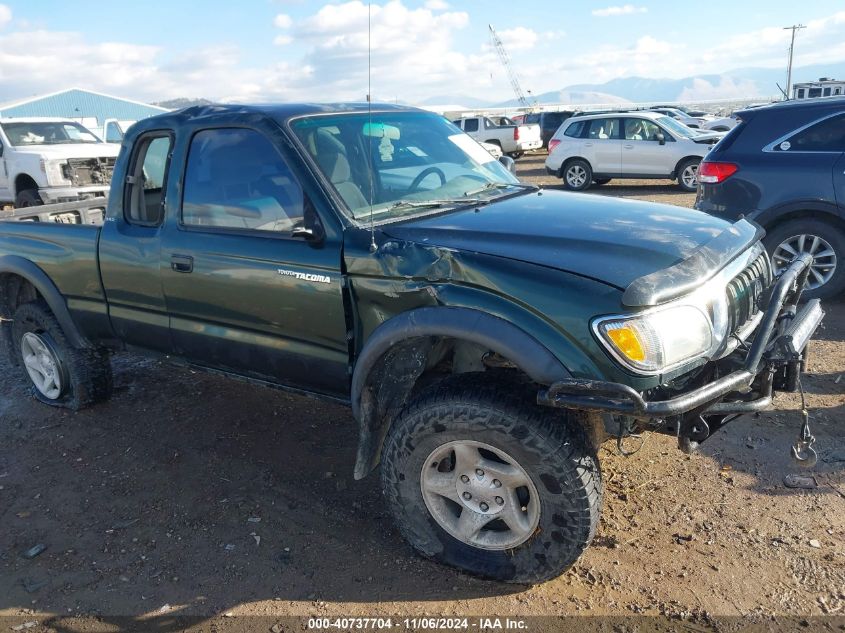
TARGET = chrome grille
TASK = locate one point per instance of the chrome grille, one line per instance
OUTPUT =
(744, 292)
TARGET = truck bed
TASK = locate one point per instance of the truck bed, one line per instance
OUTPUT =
(61, 240)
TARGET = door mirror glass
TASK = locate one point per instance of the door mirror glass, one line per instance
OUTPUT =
(509, 163)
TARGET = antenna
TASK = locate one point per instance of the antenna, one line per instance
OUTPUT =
(793, 28)
(373, 245)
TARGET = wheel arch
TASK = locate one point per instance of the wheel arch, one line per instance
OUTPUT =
(569, 160)
(403, 348)
(16, 270)
(771, 219)
(24, 181)
(682, 161)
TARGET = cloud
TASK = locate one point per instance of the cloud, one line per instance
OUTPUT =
(5, 15)
(282, 21)
(626, 9)
(282, 40)
(519, 38)
(436, 5)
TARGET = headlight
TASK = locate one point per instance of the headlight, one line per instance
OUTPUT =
(658, 340)
(54, 170)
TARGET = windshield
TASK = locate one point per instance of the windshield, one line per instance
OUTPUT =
(678, 128)
(47, 133)
(400, 163)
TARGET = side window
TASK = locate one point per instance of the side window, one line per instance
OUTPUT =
(575, 130)
(235, 178)
(604, 129)
(470, 125)
(145, 184)
(827, 92)
(532, 118)
(488, 124)
(641, 130)
(825, 136)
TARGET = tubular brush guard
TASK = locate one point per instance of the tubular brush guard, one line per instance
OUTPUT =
(778, 344)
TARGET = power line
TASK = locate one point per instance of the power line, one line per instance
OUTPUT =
(793, 28)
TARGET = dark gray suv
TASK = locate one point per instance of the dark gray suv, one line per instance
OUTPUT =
(783, 166)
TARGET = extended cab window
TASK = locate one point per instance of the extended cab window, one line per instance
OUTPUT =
(825, 136)
(235, 178)
(144, 194)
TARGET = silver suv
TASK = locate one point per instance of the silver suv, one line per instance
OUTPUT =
(598, 147)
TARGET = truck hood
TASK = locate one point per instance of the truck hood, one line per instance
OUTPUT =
(73, 150)
(607, 239)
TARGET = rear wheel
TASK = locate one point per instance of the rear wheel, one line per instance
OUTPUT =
(688, 174)
(481, 478)
(824, 241)
(60, 374)
(577, 175)
(516, 155)
(28, 198)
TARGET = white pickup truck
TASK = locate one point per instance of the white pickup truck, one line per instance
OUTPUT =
(48, 160)
(514, 140)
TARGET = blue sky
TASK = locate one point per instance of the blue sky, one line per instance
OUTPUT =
(302, 49)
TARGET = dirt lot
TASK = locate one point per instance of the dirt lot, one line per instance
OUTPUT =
(189, 494)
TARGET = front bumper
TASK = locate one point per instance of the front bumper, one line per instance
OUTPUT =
(773, 360)
(52, 195)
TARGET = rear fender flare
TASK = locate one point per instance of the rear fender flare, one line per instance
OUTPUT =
(415, 329)
(29, 271)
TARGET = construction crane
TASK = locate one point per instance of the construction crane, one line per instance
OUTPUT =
(506, 62)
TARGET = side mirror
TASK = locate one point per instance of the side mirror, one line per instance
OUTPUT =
(661, 139)
(313, 233)
(509, 163)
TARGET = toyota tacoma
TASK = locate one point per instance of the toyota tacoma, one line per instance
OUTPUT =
(487, 334)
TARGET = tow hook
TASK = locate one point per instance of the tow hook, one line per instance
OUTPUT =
(803, 451)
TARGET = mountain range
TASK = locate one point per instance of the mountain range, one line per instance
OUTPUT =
(742, 83)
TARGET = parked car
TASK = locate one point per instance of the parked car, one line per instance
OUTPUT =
(514, 140)
(52, 160)
(599, 147)
(683, 117)
(722, 124)
(783, 167)
(486, 334)
(549, 122)
(112, 130)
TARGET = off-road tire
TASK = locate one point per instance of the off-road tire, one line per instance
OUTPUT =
(550, 445)
(28, 198)
(87, 372)
(831, 233)
(585, 175)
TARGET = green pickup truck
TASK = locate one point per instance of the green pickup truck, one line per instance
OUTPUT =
(487, 334)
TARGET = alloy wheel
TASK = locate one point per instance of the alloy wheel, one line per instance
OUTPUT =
(480, 495)
(576, 176)
(42, 365)
(824, 257)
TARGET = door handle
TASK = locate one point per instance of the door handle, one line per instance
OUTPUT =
(182, 263)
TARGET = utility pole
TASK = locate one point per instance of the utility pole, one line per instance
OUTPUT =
(793, 28)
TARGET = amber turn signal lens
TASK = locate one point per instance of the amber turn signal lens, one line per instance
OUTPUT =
(627, 342)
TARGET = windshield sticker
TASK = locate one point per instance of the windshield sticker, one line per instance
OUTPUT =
(785, 145)
(473, 149)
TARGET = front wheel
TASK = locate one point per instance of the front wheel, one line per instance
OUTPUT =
(481, 478)
(688, 174)
(577, 175)
(28, 198)
(601, 181)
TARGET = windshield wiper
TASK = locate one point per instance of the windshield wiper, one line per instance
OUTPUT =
(502, 185)
(432, 204)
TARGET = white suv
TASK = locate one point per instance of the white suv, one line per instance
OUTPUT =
(598, 147)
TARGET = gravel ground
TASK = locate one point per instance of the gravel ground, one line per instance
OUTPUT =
(188, 494)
